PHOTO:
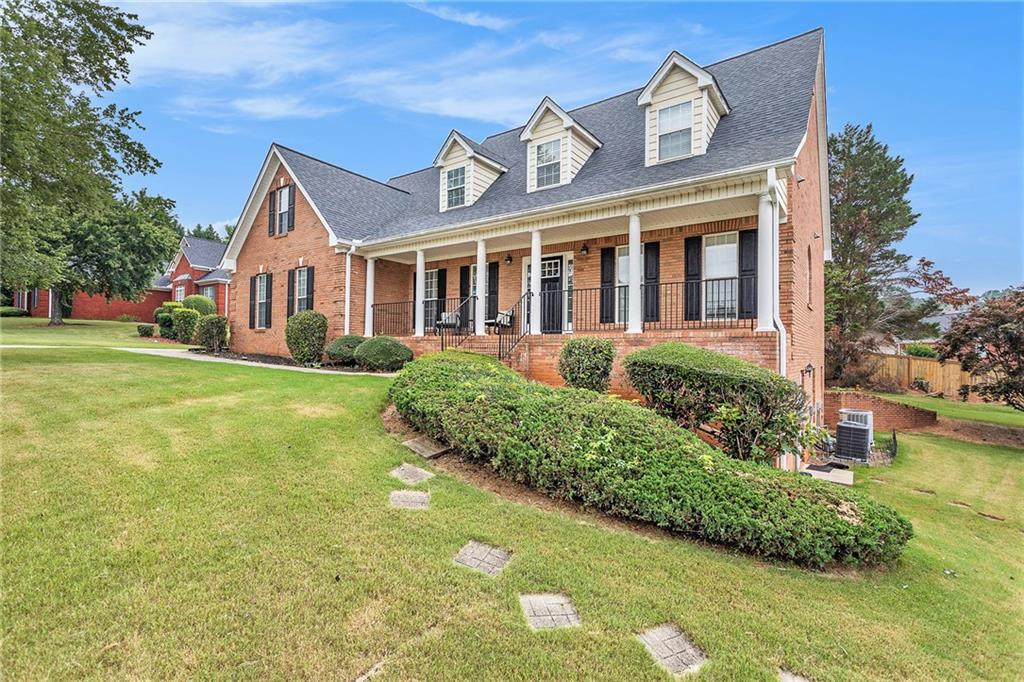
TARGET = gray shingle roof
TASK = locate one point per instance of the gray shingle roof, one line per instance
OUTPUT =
(769, 91)
(203, 253)
(161, 282)
(213, 275)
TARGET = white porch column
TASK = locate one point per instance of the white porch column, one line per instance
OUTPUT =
(766, 239)
(421, 277)
(535, 282)
(634, 323)
(481, 287)
(368, 313)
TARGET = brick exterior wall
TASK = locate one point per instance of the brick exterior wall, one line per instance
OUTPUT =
(191, 288)
(86, 307)
(306, 245)
(888, 413)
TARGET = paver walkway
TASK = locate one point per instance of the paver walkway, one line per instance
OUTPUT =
(484, 558)
(182, 354)
(410, 474)
(672, 649)
(425, 446)
(410, 499)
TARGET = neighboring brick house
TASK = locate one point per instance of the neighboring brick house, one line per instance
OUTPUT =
(693, 208)
(97, 307)
(196, 270)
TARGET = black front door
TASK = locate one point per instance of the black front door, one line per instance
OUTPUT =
(551, 295)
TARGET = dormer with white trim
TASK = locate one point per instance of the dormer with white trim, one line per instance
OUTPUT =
(466, 169)
(683, 105)
(557, 146)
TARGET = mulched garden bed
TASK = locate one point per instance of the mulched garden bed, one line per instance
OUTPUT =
(280, 360)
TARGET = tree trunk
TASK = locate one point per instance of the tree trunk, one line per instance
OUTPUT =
(56, 311)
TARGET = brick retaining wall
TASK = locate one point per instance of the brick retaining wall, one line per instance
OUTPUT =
(888, 413)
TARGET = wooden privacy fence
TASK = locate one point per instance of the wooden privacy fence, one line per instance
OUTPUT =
(946, 377)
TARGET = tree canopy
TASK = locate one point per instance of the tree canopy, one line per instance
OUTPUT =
(205, 232)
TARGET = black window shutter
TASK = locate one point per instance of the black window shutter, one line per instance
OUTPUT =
(309, 288)
(291, 294)
(692, 247)
(492, 290)
(652, 273)
(291, 208)
(252, 302)
(607, 284)
(442, 293)
(270, 292)
(748, 275)
(271, 206)
(415, 313)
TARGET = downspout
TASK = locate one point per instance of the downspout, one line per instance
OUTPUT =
(776, 304)
(348, 285)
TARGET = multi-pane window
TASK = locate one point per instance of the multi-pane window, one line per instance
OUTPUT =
(179, 292)
(721, 270)
(675, 129)
(302, 298)
(261, 301)
(209, 292)
(430, 285)
(622, 280)
(283, 209)
(456, 178)
(549, 163)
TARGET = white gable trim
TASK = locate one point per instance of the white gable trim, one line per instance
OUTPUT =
(705, 81)
(454, 137)
(568, 122)
(252, 205)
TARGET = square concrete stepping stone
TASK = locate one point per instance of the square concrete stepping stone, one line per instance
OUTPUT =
(410, 499)
(410, 474)
(786, 676)
(425, 446)
(484, 558)
(547, 611)
(672, 649)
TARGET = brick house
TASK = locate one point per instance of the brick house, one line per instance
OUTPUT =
(96, 307)
(196, 270)
(693, 208)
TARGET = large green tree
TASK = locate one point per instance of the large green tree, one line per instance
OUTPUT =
(63, 148)
(873, 291)
(205, 232)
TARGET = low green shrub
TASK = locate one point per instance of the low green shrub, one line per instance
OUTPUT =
(11, 311)
(626, 460)
(306, 333)
(342, 349)
(754, 412)
(128, 318)
(184, 322)
(162, 316)
(382, 354)
(586, 362)
(212, 332)
(921, 350)
(145, 329)
(203, 305)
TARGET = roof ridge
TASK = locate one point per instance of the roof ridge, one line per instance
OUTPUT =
(334, 165)
(819, 29)
(418, 170)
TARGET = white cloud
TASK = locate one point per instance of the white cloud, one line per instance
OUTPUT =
(558, 39)
(458, 16)
(280, 106)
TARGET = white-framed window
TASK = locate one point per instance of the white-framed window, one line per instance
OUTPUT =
(550, 268)
(430, 285)
(549, 163)
(675, 131)
(261, 301)
(179, 292)
(283, 209)
(302, 298)
(622, 281)
(456, 184)
(209, 291)
(721, 273)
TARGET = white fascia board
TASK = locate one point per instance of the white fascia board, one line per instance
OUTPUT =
(822, 125)
(704, 81)
(455, 137)
(568, 122)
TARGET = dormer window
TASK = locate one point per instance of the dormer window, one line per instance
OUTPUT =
(675, 131)
(549, 163)
(456, 186)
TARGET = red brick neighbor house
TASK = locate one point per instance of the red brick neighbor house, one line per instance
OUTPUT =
(194, 270)
(692, 208)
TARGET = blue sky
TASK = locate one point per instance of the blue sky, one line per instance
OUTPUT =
(375, 88)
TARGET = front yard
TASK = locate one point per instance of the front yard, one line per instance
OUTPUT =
(952, 408)
(35, 331)
(165, 518)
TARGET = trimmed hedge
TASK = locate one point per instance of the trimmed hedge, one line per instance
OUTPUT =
(203, 305)
(921, 350)
(162, 316)
(212, 332)
(626, 460)
(306, 333)
(586, 362)
(754, 412)
(184, 321)
(382, 354)
(145, 330)
(11, 311)
(343, 348)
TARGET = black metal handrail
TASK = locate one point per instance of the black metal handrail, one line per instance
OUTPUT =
(718, 302)
(512, 325)
(393, 319)
(453, 319)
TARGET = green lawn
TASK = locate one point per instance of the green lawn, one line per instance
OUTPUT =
(992, 413)
(167, 518)
(35, 331)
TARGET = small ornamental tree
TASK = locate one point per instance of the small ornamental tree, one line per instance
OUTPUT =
(203, 305)
(212, 332)
(306, 333)
(988, 341)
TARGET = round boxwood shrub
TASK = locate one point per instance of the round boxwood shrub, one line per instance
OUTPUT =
(586, 362)
(921, 350)
(203, 305)
(184, 322)
(382, 354)
(753, 412)
(212, 332)
(145, 329)
(306, 334)
(624, 459)
(342, 349)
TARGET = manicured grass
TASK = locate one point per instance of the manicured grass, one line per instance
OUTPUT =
(165, 518)
(992, 413)
(35, 331)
